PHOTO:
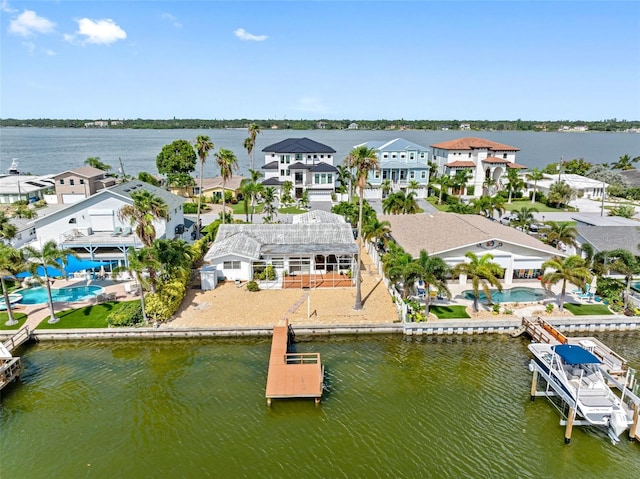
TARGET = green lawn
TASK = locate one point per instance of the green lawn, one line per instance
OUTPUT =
(291, 210)
(94, 316)
(541, 207)
(238, 209)
(449, 312)
(20, 317)
(587, 309)
(434, 201)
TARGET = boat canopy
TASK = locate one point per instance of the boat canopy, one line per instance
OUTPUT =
(573, 354)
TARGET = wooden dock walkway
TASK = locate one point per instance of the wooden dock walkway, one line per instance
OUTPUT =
(292, 375)
(11, 367)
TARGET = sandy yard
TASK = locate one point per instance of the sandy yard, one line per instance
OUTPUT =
(233, 305)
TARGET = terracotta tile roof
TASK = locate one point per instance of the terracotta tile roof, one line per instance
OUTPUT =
(471, 143)
(443, 232)
(516, 166)
(493, 159)
(461, 164)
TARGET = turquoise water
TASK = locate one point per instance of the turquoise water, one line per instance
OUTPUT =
(77, 293)
(422, 407)
(513, 295)
(13, 298)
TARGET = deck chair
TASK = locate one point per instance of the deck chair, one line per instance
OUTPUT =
(117, 231)
(127, 231)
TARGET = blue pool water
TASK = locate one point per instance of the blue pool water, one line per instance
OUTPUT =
(39, 295)
(513, 295)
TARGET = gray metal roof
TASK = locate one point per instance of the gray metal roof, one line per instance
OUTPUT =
(298, 145)
(272, 182)
(323, 167)
(397, 144)
(300, 166)
(611, 237)
(126, 189)
(272, 165)
(252, 240)
(318, 216)
(597, 220)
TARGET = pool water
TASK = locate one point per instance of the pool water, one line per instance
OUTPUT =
(78, 293)
(513, 295)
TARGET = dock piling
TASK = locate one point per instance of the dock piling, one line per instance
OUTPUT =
(534, 384)
(569, 428)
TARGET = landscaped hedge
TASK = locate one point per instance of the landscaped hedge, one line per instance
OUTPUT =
(129, 314)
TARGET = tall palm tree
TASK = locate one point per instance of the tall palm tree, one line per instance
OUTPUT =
(203, 146)
(375, 229)
(571, 269)
(559, 233)
(227, 162)
(285, 193)
(444, 182)
(11, 263)
(345, 177)
(483, 273)
(139, 261)
(524, 218)
(622, 262)
(535, 175)
(414, 185)
(269, 198)
(146, 209)
(515, 182)
(400, 267)
(39, 262)
(7, 229)
(624, 163)
(433, 271)
(256, 190)
(250, 142)
(386, 187)
(460, 180)
(362, 160)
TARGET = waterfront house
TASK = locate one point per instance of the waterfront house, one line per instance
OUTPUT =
(449, 236)
(402, 163)
(583, 186)
(14, 187)
(92, 227)
(80, 183)
(307, 164)
(25, 232)
(211, 187)
(606, 233)
(487, 161)
(317, 250)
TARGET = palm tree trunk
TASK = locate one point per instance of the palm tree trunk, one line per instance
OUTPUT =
(564, 288)
(533, 196)
(224, 209)
(510, 195)
(427, 301)
(53, 318)
(358, 304)
(7, 303)
(627, 292)
(199, 202)
(144, 311)
(440, 195)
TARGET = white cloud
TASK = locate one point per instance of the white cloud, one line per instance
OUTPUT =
(310, 105)
(51, 53)
(171, 19)
(244, 35)
(29, 23)
(4, 6)
(102, 32)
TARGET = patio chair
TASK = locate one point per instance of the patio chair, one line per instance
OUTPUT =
(127, 231)
(117, 231)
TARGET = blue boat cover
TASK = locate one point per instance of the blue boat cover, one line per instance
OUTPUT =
(572, 354)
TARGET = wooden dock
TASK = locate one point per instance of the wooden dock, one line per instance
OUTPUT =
(11, 367)
(292, 375)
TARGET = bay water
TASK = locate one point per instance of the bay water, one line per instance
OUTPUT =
(52, 150)
(421, 407)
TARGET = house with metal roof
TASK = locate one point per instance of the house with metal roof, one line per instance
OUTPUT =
(92, 227)
(15, 187)
(402, 164)
(319, 252)
(307, 164)
(450, 236)
(583, 186)
(487, 160)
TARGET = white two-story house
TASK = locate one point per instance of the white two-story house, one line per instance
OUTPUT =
(487, 161)
(307, 164)
(402, 163)
(92, 226)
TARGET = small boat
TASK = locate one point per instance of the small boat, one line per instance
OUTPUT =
(13, 169)
(574, 374)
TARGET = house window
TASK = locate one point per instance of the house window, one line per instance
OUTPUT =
(402, 155)
(196, 190)
(298, 157)
(412, 175)
(329, 177)
(376, 174)
(282, 172)
(232, 265)
(421, 155)
(288, 173)
(385, 174)
(72, 182)
(72, 221)
(386, 155)
(62, 181)
(321, 156)
(393, 155)
(316, 178)
(81, 181)
(504, 156)
(469, 155)
(412, 156)
(403, 174)
(277, 262)
(423, 175)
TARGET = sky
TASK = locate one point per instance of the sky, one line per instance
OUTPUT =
(464, 60)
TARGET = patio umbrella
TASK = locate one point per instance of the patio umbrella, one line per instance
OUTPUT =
(73, 265)
(594, 284)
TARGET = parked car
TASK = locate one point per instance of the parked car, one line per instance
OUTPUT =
(535, 227)
(506, 219)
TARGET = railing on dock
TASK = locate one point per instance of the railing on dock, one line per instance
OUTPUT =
(17, 340)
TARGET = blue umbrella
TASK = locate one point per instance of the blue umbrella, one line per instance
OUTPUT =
(73, 265)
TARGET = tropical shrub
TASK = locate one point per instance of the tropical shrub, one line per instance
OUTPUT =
(253, 286)
(129, 314)
(549, 308)
(190, 208)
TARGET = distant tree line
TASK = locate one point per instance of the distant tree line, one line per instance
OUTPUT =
(398, 124)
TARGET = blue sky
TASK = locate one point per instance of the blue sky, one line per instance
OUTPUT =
(540, 60)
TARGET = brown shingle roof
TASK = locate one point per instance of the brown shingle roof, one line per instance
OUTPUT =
(461, 164)
(446, 231)
(471, 143)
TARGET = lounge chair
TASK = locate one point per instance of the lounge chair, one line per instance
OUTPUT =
(127, 231)
(117, 231)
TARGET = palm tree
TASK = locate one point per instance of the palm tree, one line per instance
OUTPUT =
(414, 185)
(345, 178)
(227, 162)
(7, 229)
(535, 175)
(443, 181)
(139, 261)
(39, 262)
(11, 263)
(251, 190)
(624, 163)
(489, 184)
(172, 255)
(146, 209)
(362, 160)
(400, 267)
(203, 146)
(250, 142)
(515, 182)
(524, 218)
(483, 273)
(96, 163)
(269, 198)
(571, 269)
(24, 212)
(386, 187)
(620, 261)
(460, 180)
(559, 233)
(433, 271)
(375, 229)
(285, 195)
(560, 193)
(483, 205)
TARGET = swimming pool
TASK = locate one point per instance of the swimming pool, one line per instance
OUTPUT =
(513, 295)
(13, 298)
(78, 293)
